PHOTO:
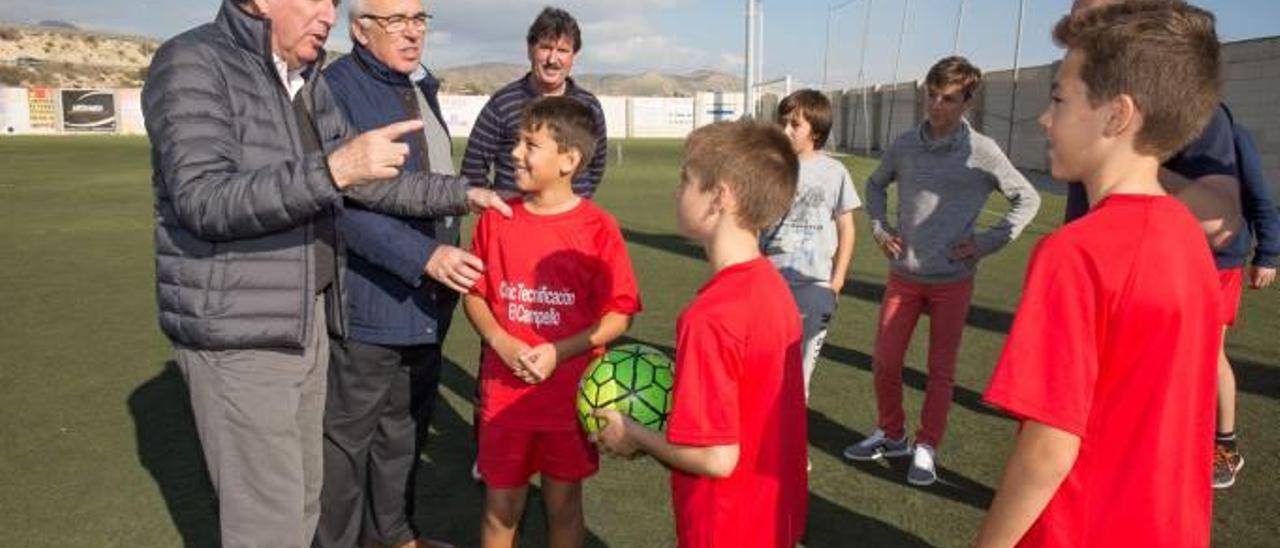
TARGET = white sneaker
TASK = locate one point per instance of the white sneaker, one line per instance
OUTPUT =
(876, 446)
(923, 466)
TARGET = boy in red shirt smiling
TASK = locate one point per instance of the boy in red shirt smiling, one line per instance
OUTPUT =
(557, 287)
(736, 438)
(1112, 359)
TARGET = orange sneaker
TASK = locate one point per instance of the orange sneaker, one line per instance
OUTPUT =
(1227, 462)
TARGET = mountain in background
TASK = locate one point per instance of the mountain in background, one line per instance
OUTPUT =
(485, 78)
(57, 54)
(56, 24)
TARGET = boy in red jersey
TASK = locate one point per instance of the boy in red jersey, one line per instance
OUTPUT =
(736, 438)
(557, 288)
(1112, 359)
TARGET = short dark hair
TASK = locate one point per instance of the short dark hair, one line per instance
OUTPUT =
(1162, 53)
(571, 124)
(814, 107)
(553, 24)
(955, 70)
(754, 159)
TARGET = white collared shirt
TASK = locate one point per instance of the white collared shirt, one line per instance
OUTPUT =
(292, 79)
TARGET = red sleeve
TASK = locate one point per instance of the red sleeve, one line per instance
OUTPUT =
(1050, 360)
(705, 400)
(624, 292)
(479, 248)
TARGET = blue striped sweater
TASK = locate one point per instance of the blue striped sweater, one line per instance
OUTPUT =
(498, 126)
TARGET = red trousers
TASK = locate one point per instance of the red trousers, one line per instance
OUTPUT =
(947, 305)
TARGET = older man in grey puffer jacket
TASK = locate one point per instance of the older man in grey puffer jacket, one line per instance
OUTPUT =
(252, 160)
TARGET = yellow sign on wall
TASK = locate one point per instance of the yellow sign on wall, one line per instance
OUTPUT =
(43, 109)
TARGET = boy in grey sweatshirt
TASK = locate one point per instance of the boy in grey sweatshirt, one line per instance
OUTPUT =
(945, 172)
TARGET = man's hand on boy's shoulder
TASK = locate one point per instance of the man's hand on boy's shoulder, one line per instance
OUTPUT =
(480, 199)
(616, 439)
(540, 361)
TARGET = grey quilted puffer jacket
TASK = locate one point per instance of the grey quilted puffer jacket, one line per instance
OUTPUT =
(235, 196)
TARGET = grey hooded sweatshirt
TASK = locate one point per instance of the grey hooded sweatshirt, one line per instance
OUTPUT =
(943, 185)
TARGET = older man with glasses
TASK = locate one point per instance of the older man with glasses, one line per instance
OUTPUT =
(402, 281)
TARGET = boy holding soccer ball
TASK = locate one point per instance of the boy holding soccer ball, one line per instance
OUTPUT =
(736, 436)
(1112, 359)
(557, 287)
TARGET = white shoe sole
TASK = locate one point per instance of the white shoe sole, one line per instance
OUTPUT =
(1233, 477)
(923, 483)
(861, 458)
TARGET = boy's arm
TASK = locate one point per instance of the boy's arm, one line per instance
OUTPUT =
(877, 189)
(624, 437)
(1024, 202)
(1259, 212)
(845, 234)
(542, 360)
(877, 206)
(491, 333)
(1040, 461)
(1264, 218)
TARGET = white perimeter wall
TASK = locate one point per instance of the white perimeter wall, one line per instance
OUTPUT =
(625, 117)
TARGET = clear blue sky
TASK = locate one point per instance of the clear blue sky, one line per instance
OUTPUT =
(680, 35)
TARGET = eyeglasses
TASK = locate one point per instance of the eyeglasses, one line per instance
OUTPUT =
(399, 23)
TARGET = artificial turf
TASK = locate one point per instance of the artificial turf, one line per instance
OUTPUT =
(99, 448)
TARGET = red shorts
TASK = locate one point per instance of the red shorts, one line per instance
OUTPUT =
(1232, 280)
(510, 456)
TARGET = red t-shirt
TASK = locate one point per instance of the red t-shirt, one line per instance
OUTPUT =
(547, 277)
(1116, 341)
(739, 380)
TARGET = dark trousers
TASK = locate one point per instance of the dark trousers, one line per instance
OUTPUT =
(375, 423)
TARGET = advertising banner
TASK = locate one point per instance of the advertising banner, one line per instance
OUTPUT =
(88, 111)
(42, 108)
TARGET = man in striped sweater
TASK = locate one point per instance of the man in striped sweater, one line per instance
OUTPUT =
(554, 41)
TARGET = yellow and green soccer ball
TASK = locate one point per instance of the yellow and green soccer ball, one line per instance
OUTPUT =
(634, 379)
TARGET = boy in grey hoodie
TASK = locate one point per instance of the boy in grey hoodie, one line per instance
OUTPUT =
(945, 172)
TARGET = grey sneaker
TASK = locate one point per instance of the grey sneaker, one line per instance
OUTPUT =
(923, 466)
(1227, 462)
(877, 446)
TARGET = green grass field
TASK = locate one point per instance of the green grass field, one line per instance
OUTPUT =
(99, 449)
